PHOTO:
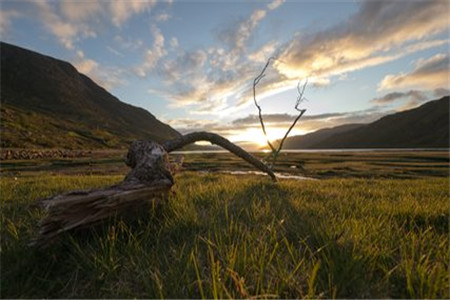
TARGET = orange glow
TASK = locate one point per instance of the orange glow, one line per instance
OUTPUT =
(256, 135)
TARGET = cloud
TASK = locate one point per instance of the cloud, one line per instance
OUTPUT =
(275, 4)
(76, 12)
(71, 21)
(64, 31)
(262, 54)
(162, 17)
(378, 32)
(440, 92)
(430, 73)
(154, 54)
(173, 43)
(86, 66)
(211, 80)
(67, 20)
(191, 125)
(122, 10)
(128, 43)
(283, 118)
(249, 128)
(414, 95)
(6, 17)
(107, 77)
(186, 64)
(237, 36)
(114, 51)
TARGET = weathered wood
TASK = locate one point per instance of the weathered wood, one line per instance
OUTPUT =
(216, 139)
(82, 209)
(149, 181)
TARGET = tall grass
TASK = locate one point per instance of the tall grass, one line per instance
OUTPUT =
(223, 236)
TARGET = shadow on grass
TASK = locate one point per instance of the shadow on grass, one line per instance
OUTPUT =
(341, 273)
(271, 235)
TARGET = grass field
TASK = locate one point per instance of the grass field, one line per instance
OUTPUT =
(223, 236)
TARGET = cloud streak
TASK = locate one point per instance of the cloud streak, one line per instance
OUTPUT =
(154, 54)
(378, 32)
(394, 96)
(430, 73)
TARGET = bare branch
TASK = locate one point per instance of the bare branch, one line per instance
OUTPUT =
(255, 83)
(300, 94)
(301, 90)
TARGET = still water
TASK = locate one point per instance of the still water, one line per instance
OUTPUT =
(322, 150)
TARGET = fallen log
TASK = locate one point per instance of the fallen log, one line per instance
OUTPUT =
(148, 182)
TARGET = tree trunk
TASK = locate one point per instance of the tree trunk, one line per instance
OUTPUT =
(216, 139)
(148, 182)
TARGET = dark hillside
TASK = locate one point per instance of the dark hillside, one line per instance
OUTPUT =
(426, 126)
(47, 103)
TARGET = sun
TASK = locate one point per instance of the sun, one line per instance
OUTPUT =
(256, 136)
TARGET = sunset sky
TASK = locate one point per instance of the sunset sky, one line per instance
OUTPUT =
(192, 63)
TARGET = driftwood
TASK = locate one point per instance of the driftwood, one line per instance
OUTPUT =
(148, 182)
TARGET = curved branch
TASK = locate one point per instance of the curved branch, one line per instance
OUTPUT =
(216, 139)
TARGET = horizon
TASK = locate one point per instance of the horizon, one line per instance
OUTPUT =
(195, 71)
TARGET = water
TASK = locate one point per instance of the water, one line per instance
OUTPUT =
(322, 150)
(279, 175)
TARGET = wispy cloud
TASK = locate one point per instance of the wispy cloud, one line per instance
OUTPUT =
(394, 96)
(378, 32)
(71, 21)
(6, 17)
(431, 73)
(211, 80)
(162, 17)
(275, 4)
(75, 12)
(65, 31)
(127, 43)
(440, 92)
(107, 77)
(313, 122)
(154, 54)
(122, 10)
(249, 127)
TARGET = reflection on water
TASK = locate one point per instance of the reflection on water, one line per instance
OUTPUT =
(320, 150)
(279, 175)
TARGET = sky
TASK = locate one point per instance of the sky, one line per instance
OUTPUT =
(192, 64)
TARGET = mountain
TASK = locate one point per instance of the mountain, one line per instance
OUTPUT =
(309, 140)
(47, 103)
(426, 126)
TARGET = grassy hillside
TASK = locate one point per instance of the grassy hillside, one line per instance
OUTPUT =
(238, 237)
(39, 91)
(21, 128)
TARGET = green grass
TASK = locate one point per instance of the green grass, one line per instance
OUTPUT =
(222, 236)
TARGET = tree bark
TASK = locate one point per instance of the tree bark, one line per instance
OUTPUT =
(149, 181)
(216, 139)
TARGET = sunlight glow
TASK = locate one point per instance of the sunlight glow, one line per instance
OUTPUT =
(256, 135)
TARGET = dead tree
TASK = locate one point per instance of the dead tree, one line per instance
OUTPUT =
(275, 151)
(148, 183)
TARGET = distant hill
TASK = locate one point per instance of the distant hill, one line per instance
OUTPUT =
(309, 140)
(426, 126)
(47, 103)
